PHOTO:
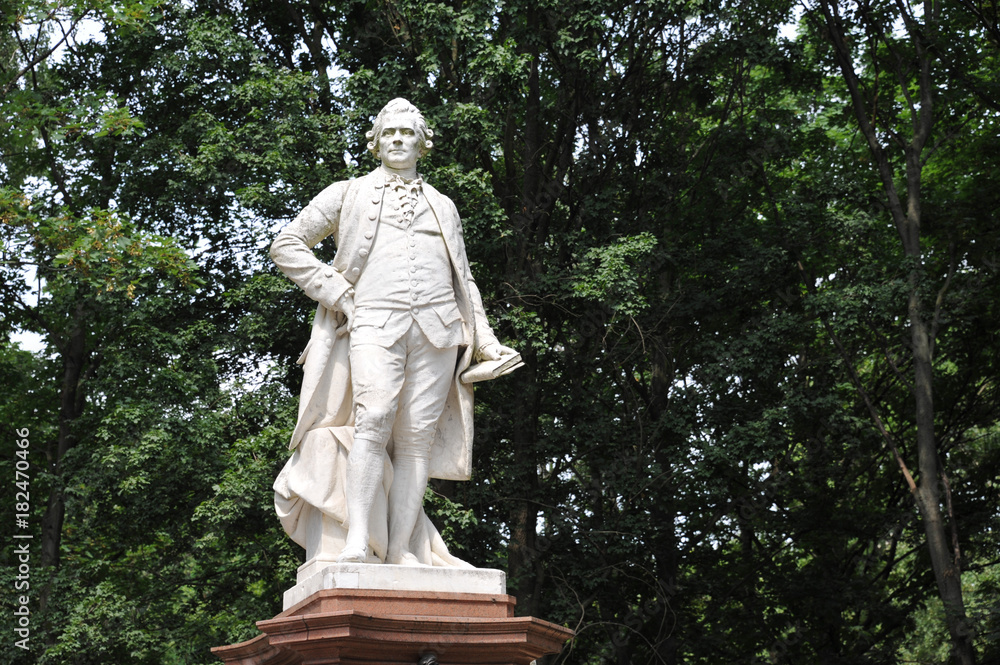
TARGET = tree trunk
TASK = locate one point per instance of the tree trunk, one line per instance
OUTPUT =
(666, 548)
(74, 354)
(947, 571)
(944, 562)
(523, 566)
(73, 360)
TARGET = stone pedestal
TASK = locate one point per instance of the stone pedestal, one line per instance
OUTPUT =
(342, 622)
(317, 575)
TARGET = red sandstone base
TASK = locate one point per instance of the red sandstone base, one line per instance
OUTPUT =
(369, 627)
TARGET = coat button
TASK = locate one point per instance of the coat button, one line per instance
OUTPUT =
(356, 271)
(368, 235)
(363, 253)
(330, 272)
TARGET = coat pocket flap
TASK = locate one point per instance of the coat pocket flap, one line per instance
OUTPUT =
(448, 312)
(375, 318)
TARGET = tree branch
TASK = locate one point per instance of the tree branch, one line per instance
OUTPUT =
(35, 60)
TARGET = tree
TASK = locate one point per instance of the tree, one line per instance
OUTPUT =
(913, 62)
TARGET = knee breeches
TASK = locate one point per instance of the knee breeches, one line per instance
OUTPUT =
(400, 390)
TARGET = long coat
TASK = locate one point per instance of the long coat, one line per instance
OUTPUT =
(314, 476)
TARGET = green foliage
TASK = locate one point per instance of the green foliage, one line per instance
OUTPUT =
(928, 641)
(103, 250)
(607, 273)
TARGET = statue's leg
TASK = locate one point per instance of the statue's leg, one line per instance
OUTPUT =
(429, 374)
(409, 479)
(364, 479)
(377, 375)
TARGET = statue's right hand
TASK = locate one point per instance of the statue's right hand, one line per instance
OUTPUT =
(345, 304)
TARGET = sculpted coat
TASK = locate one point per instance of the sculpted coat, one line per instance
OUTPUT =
(314, 477)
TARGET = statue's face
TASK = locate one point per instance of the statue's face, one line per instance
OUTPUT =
(399, 142)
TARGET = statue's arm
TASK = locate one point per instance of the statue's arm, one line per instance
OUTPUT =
(484, 332)
(292, 248)
(485, 343)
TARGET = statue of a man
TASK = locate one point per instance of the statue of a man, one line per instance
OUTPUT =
(400, 318)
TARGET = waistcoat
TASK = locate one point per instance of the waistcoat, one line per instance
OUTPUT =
(408, 275)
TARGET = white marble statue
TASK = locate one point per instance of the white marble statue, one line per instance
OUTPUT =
(400, 318)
